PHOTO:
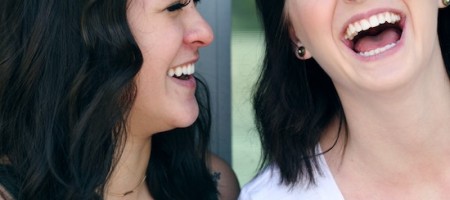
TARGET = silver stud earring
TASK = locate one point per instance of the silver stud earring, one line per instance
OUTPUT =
(301, 51)
(446, 2)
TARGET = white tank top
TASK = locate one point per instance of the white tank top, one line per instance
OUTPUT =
(267, 185)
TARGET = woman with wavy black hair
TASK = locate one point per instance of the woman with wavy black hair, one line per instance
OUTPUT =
(98, 100)
(353, 100)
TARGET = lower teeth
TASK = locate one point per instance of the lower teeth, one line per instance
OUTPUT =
(377, 51)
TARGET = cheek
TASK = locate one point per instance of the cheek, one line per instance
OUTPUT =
(151, 80)
(161, 50)
(310, 19)
(147, 88)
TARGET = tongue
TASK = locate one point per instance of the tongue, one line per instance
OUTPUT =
(368, 43)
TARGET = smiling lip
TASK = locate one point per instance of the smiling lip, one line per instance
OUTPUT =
(189, 82)
(184, 74)
(368, 20)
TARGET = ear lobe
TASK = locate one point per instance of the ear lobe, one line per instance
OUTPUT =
(301, 52)
(299, 49)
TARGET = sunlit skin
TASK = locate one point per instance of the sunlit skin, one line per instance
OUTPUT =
(396, 103)
(167, 38)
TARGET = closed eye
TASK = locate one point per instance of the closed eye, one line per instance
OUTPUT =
(179, 5)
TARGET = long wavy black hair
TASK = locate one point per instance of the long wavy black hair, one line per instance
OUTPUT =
(67, 71)
(294, 100)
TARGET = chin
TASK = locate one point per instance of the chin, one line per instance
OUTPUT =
(188, 118)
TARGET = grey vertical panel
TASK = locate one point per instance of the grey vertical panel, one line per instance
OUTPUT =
(214, 66)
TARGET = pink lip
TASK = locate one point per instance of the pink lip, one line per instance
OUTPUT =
(400, 44)
(192, 61)
(366, 15)
(190, 83)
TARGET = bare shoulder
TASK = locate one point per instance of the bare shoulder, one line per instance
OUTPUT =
(227, 182)
(4, 195)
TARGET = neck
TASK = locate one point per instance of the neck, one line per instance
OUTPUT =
(398, 131)
(130, 170)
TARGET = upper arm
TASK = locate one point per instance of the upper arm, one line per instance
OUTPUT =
(227, 183)
(4, 174)
(4, 195)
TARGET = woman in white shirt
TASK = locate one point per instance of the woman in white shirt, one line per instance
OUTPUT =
(353, 100)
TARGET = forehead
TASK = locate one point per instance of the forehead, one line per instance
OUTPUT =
(138, 2)
(145, 5)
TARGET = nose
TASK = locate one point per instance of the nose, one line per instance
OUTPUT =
(199, 33)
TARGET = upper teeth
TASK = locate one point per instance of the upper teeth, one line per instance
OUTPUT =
(371, 22)
(182, 70)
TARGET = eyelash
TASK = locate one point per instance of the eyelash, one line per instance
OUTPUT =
(180, 5)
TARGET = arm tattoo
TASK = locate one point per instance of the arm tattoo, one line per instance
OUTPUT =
(216, 176)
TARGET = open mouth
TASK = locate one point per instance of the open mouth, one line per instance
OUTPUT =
(183, 72)
(374, 35)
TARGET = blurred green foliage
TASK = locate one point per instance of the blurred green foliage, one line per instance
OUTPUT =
(244, 17)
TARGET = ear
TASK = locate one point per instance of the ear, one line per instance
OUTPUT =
(443, 3)
(296, 44)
